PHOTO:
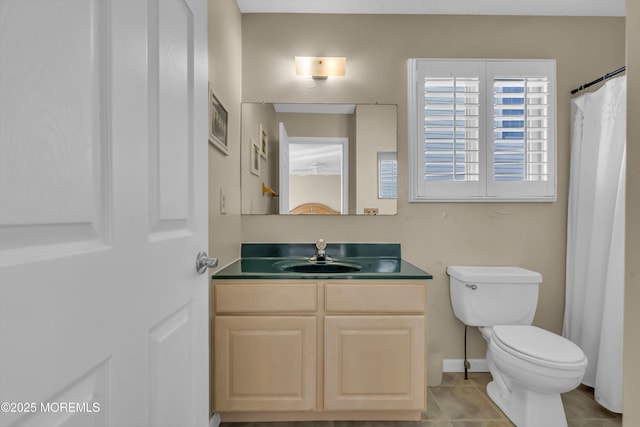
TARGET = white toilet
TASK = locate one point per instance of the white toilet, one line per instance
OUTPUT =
(530, 366)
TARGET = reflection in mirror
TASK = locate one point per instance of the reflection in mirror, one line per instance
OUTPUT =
(318, 174)
(322, 159)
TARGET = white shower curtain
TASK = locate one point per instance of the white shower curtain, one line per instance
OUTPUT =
(595, 237)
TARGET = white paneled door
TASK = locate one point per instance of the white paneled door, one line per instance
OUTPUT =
(103, 199)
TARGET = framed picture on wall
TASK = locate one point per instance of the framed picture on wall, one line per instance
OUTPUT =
(217, 124)
(255, 157)
(264, 143)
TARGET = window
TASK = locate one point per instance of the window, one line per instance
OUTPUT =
(481, 130)
(387, 175)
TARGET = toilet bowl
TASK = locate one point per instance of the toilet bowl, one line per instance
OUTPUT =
(530, 366)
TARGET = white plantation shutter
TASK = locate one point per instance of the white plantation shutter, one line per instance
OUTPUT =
(521, 134)
(520, 117)
(387, 175)
(449, 102)
(482, 130)
(451, 129)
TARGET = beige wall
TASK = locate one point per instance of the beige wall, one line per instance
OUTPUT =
(324, 189)
(225, 65)
(632, 288)
(376, 130)
(433, 235)
(316, 125)
(257, 118)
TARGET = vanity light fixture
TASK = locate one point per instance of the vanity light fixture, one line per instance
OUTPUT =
(320, 67)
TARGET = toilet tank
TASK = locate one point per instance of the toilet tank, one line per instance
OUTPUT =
(487, 296)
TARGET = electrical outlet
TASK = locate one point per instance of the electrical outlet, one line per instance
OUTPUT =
(223, 202)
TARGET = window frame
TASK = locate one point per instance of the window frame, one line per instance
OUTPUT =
(486, 189)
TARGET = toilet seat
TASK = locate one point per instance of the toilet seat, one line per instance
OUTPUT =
(538, 346)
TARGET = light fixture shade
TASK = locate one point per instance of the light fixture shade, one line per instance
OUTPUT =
(320, 67)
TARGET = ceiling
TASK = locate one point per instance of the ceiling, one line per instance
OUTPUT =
(315, 159)
(440, 7)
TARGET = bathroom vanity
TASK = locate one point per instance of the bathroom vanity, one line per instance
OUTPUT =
(336, 343)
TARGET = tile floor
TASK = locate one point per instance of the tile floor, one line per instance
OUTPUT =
(464, 403)
(460, 403)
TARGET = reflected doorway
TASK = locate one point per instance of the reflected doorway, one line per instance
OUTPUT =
(314, 175)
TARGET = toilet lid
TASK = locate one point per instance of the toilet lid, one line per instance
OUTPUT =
(538, 344)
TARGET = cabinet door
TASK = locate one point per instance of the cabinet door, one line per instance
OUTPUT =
(265, 363)
(374, 362)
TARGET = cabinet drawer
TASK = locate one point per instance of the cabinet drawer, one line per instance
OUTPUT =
(375, 298)
(265, 298)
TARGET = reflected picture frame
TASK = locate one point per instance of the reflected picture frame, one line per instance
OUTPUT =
(218, 119)
(255, 157)
(264, 143)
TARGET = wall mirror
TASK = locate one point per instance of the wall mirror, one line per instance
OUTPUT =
(319, 159)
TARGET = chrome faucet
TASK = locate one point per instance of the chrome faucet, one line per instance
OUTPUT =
(321, 255)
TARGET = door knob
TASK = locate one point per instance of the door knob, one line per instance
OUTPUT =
(203, 262)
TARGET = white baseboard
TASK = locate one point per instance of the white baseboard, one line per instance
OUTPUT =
(215, 420)
(457, 365)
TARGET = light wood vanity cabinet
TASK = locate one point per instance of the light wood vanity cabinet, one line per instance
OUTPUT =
(265, 338)
(308, 350)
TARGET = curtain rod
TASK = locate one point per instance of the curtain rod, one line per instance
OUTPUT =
(598, 80)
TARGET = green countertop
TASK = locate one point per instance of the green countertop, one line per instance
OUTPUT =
(374, 262)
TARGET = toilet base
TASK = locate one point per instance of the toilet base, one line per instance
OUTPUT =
(526, 408)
